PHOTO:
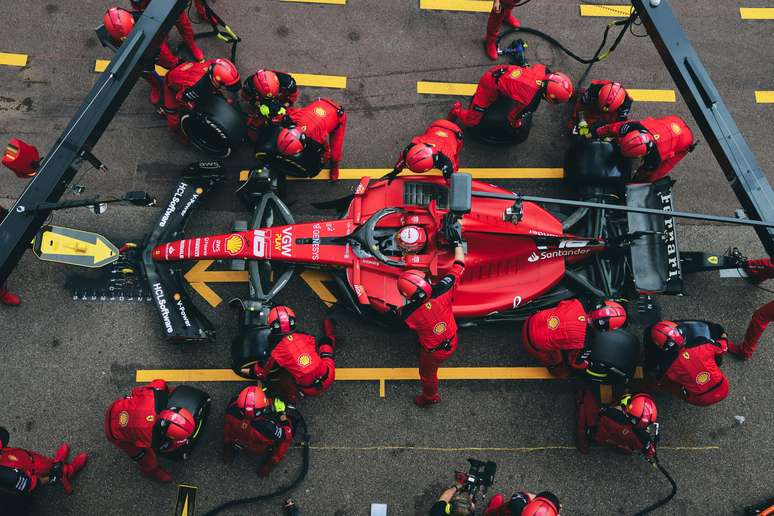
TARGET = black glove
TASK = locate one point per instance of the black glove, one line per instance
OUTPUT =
(452, 231)
(56, 473)
(392, 175)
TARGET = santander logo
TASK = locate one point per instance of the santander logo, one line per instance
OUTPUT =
(533, 257)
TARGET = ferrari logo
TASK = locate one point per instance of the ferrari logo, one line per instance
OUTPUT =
(149, 418)
(234, 244)
(439, 328)
(123, 418)
(515, 74)
(686, 355)
(553, 322)
(442, 134)
(320, 112)
(428, 305)
(304, 360)
(675, 128)
(702, 378)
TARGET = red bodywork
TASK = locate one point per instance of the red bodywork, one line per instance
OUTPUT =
(504, 267)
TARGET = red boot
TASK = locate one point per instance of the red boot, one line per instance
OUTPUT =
(421, 400)
(70, 470)
(328, 326)
(490, 46)
(9, 299)
(62, 453)
(159, 475)
(511, 20)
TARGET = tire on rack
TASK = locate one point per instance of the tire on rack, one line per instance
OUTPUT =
(215, 127)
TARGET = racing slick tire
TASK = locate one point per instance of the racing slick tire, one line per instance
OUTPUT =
(215, 127)
(596, 162)
(254, 344)
(197, 402)
(614, 356)
(495, 129)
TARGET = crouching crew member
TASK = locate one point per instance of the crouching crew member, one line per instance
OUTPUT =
(141, 425)
(555, 337)
(439, 147)
(603, 102)
(296, 362)
(687, 369)
(270, 94)
(258, 426)
(22, 471)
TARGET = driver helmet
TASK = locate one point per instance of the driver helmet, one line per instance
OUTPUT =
(413, 285)
(290, 142)
(558, 88)
(224, 74)
(608, 315)
(420, 158)
(118, 23)
(177, 423)
(611, 96)
(635, 144)
(252, 400)
(544, 504)
(411, 239)
(640, 408)
(282, 320)
(667, 335)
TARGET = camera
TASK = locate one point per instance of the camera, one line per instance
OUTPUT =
(479, 478)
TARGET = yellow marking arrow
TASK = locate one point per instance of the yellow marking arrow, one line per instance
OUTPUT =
(609, 11)
(477, 173)
(756, 13)
(100, 65)
(471, 6)
(468, 89)
(13, 59)
(764, 97)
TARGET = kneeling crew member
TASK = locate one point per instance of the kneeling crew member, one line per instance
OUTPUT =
(523, 503)
(439, 147)
(603, 102)
(555, 337)
(271, 93)
(22, 471)
(259, 426)
(429, 312)
(525, 85)
(688, 370)
(141, 426)
(661, 143)
(624, 425)
(296, 362)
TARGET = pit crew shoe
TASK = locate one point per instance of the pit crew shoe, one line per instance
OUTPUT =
(422, 401)
(9, 299)
(490, 47)
(69, 471)
(328, 330)
(62, 453)
(512, 21)
(738, 350)
(196, 52)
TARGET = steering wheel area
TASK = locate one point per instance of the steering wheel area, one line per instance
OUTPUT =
(366, 237)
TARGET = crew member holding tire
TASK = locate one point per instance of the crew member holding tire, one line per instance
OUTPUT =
(556, 337)
(183, 25)
(296, 362)
(22, 471)
(525, 85)
(502, 11)
(603, 102)
(523, 503)
(7, 298)
(661, 143)
(141, 425)
(190, 83)
(429, 313)
(258, 426)
(758, 270)
(439, 147)
(688, 369)
(629, 425)
(322, 122)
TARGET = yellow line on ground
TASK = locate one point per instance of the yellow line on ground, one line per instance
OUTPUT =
(764, 97)
(320, 81)
(610, 11)
(13, 59)
(521, 449)
(652, 95)
(314, 279)
(471, 6)
(477, 173)
(331, 2)
(100, 65)
(468, 89)
(757, 13)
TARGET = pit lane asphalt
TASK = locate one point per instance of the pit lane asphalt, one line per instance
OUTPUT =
(65, 361)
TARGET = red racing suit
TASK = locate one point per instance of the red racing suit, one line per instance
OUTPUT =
(445, 139)
(673, 141)
(21, 470)
(524, 85)
(501, 506)
(759, 270)
(130, 424)
(556, 336)
(288, 95)
(301, 366)
(259, 436)
(325, 122)
(433, 321)
(186, 84)
(587, 107)
(183, 25)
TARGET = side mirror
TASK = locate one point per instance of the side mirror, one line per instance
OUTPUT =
(460, 193)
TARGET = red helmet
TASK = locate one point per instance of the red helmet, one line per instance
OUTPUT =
(544, 504)
(635, 144)
(608, 315)
(118, 23)
(282, 319)
(265, 84)
(667, 335)
(224, 74)
(411, 239)
(558, 88)
(420, 158)
(178, 422)
(252, 400)
(412, 283)
(642, 409)
(611, 96)
(290, 142)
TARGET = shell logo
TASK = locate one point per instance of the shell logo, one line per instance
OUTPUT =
(582, 318)
(304, 360)
(149, 418)
(429, 305)
(123, 418)
(553, 322)
(657, 137)
(686, 355)
(675, 128)
(234, 244)
(442, 134)
(320, 112)
(515, 74)
(702, 378)
(439, 328)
